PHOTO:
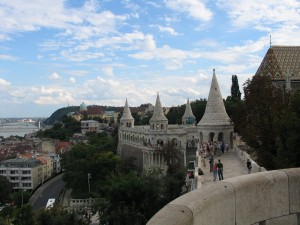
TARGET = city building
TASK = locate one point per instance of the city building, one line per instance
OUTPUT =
(282, 65)
(141, 142)
(89, 126)
(24, 174)
(56, 160)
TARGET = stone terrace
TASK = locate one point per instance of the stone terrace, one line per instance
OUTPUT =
(233, 166)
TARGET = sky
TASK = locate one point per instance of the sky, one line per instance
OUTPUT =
(59, 53)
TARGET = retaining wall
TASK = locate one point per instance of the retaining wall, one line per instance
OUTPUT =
(270, 197)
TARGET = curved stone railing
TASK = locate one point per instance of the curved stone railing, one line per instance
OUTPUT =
(271, 197)
(244, 156)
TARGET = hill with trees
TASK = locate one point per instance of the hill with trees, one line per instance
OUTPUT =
(59, 114)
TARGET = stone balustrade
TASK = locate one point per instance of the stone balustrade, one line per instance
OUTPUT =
(244, 156)
(79, 204)
(265, 198)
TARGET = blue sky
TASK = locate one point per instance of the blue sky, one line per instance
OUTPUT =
(55, 53)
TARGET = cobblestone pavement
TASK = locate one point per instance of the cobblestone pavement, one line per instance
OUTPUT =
(232, 166)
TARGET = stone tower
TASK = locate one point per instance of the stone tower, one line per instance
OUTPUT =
(188, 118)
(215, 124)
(127, 120)
(158, 120)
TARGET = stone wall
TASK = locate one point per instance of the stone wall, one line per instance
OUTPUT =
(244, 156)
(132, 152)
(270, 197)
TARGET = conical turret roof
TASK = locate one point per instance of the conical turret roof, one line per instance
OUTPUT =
(158, 114)
(215, 113)
(188, 110)
(126, 113)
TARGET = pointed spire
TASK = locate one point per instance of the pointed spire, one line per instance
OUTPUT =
(188, 116)
(158, 114)
(215, 113)
(126, 113)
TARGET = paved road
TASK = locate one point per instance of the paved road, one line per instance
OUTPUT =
(50, 189)
(232, 166)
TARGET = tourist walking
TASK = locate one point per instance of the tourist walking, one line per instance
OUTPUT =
(211, 163)
(249, 166)
(215, 170)
(220, 170)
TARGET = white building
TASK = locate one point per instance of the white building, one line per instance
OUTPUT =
(89, 126)
(141, 142)
(24, 174)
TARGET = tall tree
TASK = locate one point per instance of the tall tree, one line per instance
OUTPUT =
(235, 89)
(264, 105)
(288, 135)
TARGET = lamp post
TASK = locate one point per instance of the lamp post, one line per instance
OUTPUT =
(89, 177)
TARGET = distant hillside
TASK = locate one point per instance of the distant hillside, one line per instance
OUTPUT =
(58, 114)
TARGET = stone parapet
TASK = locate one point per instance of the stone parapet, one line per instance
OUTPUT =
(269, 197)
(244, 156)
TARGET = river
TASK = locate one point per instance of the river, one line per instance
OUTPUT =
(17, 129)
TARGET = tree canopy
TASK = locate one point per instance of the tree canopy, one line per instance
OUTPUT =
(5, 189)
(269, 123)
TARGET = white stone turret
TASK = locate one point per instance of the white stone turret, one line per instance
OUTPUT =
(215, 113)
(215, 124)
(127, 120)
(188, 118)
(158, 120)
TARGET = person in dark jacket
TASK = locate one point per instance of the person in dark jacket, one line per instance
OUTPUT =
(249, 166)
(220, 170)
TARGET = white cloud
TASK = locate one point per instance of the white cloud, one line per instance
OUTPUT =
(82, 23)
(77, 73)
(80, 56)
(54, 76)
(72, 80)
(195, 8)
(169, 30)
(257, 12)
(52, 95)
(108, 71)
(4, 83)
(7, 57)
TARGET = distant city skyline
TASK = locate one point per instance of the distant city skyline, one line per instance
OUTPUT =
(55, 53)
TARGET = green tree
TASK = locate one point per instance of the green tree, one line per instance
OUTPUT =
(24, 216)
(5, 189)
(59, 216)
(175, 114)
(198, 108)
(21, 197)
(264, 106)
(173, 157)
(7, 214)
(60, 113)
(288, 135)
(130, 198)
(235, 89)
(82, 160)
(233, 104)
